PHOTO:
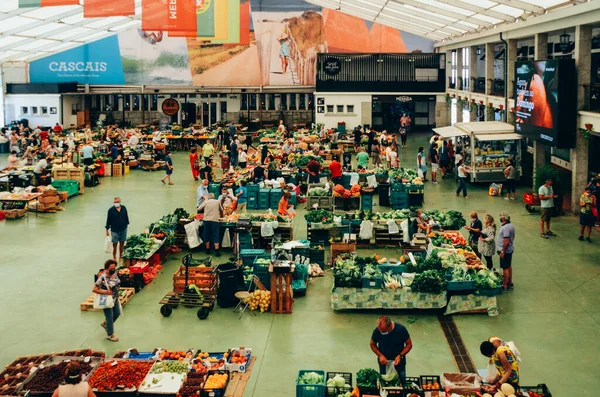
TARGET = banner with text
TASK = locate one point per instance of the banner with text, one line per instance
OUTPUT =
(108, 8)
(46, 3)
(172, 16)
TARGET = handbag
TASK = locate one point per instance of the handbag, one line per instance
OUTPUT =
(102, 301)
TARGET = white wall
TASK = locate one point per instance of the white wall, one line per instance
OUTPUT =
(15, 74)
(331, 119)
(67, 108)
(15, 103)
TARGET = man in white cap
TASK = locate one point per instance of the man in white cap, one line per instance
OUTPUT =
(505, 246)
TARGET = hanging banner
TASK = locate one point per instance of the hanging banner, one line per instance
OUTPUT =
(205, 17)
(108, 8)
(233, 23)
(169, 16)
(46, 3)
(245, 23)
(220, 16)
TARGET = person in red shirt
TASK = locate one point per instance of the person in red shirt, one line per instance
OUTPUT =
(336, 171)
(44, 135)
(313, 167)
(57, 128)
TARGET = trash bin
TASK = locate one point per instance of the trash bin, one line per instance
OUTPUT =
(231, 280)
(384, 194)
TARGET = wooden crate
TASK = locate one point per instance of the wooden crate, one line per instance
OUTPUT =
(203, 277)
(88, 304)
(383, 238)
(117, 169)
(337, 249)
(237, 382)
(73, 173)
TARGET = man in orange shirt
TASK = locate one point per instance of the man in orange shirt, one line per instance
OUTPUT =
(284, 204)
(336, 171)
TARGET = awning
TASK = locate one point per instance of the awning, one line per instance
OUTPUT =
(498, 137)
(486, 127)
(449, 132)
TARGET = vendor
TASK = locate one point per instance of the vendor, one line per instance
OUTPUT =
(40, 169)
(284, 205)
(243, 158)
(242, 197)
(264, 153)
(13, 160)
(114, 152)
(313, 168)
(88, 154)
(202, 193)
(271, 167)
(334, 139)
(421, 222)
(207, 151)
(505, 361)
(226, 199)
(258, 173)
(391, 341)
(336, 171)
(74, 385)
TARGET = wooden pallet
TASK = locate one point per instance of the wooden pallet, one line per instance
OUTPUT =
(88, 304)
(238, 381)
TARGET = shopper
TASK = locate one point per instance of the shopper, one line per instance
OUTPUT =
(421, 163)
(258, 173)
(220, 137)
(313, 168)
(108, 284)
(391, 341)
(334, 140)
(474, 232)
(264, 154)
(335, 168)
(195, 163)
(357, 137)
(57, 129)
(505, 247)
(234, 153)
(434, 160)
(212, 209)
(206, 172)
(243, 158)
(207, 151)
(505, 361)
(587, 218)
(371, 140)
(242, 197)
(487, 240)
(87, 154)
(202, 193)
(444, 158)
(117, 221)
(463, 173)
(74, 385)
(169, 170)
(457, 157)
(403, 136)
(13, 160)
(510, 173)
(547, 197)
(393, 156)
(284, 205)
(375, 154)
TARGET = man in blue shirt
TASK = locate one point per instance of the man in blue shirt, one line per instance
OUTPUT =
(391, 341)
(242, 195)
(202, 193)
(114, 152)
(505, 246)
(88, 154)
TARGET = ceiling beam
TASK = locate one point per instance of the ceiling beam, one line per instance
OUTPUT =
(36, 23)
(441, 11)
(397, 8)
(478, 10)
(522, 5)
(400, 23)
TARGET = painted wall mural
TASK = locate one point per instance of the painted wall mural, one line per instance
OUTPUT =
(253, 43)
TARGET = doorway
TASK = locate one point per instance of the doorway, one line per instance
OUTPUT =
(388, 109)
(188, 116)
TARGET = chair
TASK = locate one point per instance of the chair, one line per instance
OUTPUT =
(242, 296)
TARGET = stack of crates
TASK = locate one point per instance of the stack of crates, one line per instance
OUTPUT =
(248, 256)
(398, 196)
(317, 255)
(261, 270)
(274, 198)
(252, 196)
(263, 199)
(215, 188)
(294, 199)
(366, 202)
(245, 240)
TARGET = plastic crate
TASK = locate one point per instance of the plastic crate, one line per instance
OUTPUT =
(490, 292)
(252, 200)
(540, 389)
(370, 391)
(465, 285)
(376, 283)
(274, 197)
(366, 202)
(410, 382)
(215, 392)
(430, 380)
(310, 390)
(215, 188)
(320, 237)
(335, 391)
(299, 287)
(66, 185)
(398, 187)
(395, 269)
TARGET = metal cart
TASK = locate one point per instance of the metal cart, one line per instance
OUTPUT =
(193, 296)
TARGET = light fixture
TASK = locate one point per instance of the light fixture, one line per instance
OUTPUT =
(565, 38)
(478, 51)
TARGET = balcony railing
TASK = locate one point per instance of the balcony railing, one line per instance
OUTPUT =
(479, 84)
(498, 87)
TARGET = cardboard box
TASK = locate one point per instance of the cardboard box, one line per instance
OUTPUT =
(63, 195)
(246, 352)
(49, 200)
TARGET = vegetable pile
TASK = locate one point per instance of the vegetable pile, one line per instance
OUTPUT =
(302, 161)
(403, 173)
(451, 220)
(174, 355)
(137, 246)
(127, 374)
(311, 378)
(319, 216)
(318, 191)
(176, 367)
(367, 378)
(347, 272)
(49, 378)
(430, 281)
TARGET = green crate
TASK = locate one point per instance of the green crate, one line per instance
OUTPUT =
(310, 390)
(274, 198)
(366, 202)
(215, 188)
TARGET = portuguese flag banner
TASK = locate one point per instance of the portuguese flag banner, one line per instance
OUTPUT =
(108, 8)
(172, 16)
(205, 15)
(233, 23)
(46, 3)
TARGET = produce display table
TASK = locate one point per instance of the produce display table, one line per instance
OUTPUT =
(367, 298)
(472, 303)
(18, 203)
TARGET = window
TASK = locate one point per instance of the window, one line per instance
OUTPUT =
(283, 105)
(145, 102)
(24, 110)
(34, 110)
(74, 109)
(253, 102)
(115, 105)
(311, 102)
(95, 102)
(302, 102)
(44, 109)
(244, 105)
(136, 102)
(222, 95)
(213, 95)
(293, 102)
(154, 105)
(349, 108)
(329, 108)
(340, 108)
(127, 102)
(203, 95)
(271, 101)
(263, 104)
(223, 110)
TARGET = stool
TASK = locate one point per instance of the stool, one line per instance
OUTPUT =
(242, 304)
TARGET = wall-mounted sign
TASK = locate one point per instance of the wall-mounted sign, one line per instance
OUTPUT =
(170, 107)
(320, 101)
(320, 109)
(332, 66)
(403, 98)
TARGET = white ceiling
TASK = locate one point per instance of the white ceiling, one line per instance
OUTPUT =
(27, 34)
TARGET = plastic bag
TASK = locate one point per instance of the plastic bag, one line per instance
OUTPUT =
(513, 348)
(108, 247)
(267, 229)
(405, 234)
(191, 231)
(103, 301)
(420, 173)
(390, 372)
(372, 181)
(366, 230)
(392, 227)
(492, 373)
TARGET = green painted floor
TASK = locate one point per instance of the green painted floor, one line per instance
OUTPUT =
(47, 264)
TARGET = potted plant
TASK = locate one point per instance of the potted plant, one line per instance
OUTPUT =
(561, 185)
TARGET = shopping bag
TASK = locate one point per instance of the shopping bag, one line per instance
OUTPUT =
(191, 232)
(513, 348)
(103, 301)
(108, 247)
(226, 243)
(392, 227)
(390, 372)
(492, 373)
(366, 230)
(420, 173)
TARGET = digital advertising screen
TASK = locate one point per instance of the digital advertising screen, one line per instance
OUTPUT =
(545, 101)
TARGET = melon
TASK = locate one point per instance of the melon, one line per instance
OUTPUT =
(507, 389)
(487, 395)
(499, 394)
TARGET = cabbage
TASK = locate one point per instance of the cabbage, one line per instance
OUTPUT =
(310, 378)
(336, 381)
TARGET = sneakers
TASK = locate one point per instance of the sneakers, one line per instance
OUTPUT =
(543, 235)
(506, 198)
(434, 182)
(581, 238)
(588, 240)
(512, 198)
(549, 233)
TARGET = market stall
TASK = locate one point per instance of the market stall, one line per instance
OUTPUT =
(488, 148)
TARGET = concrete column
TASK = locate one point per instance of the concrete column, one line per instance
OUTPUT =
(541, 46)
(459, 68)
(448, 68)
(472, 67)
(539, 159)
(511, 53)
(489, 68)
(442, 112)
(579, 154)
(473, 114)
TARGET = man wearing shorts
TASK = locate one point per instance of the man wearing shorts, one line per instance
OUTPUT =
(505, 247)
(434, 160)
(547, 197)
(212, 209)
(117, 221)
